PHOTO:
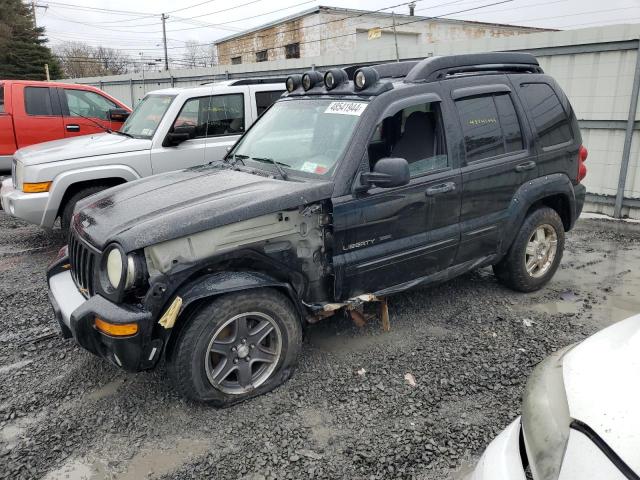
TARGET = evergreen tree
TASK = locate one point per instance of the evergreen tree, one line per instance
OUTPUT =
(23, 50)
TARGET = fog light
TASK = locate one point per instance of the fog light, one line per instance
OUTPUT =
(116, 329)
(40, 187)
(293, 82)
(365, 77)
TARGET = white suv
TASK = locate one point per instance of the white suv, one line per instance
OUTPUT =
(168, 130)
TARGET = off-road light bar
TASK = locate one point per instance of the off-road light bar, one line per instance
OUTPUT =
(311, 79)
(365, 77)
(293, 82)
(334, 78)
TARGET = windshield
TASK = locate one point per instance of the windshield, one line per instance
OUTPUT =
(145, 118)
(304, 135)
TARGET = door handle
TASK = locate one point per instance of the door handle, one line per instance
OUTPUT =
(73, 128)
(440, 189)
(523, 167)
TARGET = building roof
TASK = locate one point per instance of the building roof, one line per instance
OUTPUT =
(355, 12)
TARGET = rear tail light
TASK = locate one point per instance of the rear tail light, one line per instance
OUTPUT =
(582, 168)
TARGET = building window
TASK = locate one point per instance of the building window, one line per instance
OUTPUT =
(236, 60)
(261, 56)
(292, 50)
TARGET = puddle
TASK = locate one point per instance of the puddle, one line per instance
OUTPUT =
(603, 282)
(73, 470)
(15, 366)
(106, 390)
(154, 463)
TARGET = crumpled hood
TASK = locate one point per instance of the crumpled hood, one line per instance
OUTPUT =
(80, 147)
(602, 381)
(175, 204)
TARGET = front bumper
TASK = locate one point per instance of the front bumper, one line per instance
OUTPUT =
(26, 206)
(501, 460)
(76, 316)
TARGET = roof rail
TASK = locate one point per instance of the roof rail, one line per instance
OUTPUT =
(385, 70)
(251, 81)
(435, 68)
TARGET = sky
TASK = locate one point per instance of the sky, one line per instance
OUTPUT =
(135, 26)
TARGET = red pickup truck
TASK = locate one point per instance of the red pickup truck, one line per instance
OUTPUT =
(34, 112)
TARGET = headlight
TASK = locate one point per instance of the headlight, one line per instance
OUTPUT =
(122, 271)
(115, 267)
(545, 417)
(19, 175)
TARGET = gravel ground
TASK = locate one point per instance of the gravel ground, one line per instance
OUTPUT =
(348, 412)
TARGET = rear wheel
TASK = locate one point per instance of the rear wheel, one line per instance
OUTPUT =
(70, 205)
(535, 253)
(236, 347)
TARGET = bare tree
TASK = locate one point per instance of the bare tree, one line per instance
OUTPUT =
(79, 59)
(195, 54)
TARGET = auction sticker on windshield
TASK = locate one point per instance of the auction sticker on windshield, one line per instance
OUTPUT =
(346, 108)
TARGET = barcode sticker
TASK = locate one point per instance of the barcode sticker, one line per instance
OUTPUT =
(346, 108)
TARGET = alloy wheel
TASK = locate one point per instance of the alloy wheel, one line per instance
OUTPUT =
(541, 251)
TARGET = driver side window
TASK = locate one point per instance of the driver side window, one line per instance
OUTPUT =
(414, 133)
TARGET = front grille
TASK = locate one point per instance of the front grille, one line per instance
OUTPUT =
(82, 260)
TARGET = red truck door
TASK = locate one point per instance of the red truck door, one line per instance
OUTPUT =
(37, 116)
(7, 138)
(77, 103)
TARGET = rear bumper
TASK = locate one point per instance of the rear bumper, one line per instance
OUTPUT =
(501, 460)
(580, 192)
(76, 316)
(26, 206)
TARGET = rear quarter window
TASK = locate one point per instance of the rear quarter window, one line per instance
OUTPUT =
(550, 119)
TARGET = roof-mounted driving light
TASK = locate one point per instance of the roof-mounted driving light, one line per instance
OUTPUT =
(365, 77)
(334, 78)
(293, 82)
(311, 79)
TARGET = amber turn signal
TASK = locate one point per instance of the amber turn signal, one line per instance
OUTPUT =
(116, 329)
(36, 187)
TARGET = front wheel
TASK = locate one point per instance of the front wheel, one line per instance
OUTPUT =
(535, 253)
(237, 346)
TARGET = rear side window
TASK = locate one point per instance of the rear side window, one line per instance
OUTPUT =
(550, 119)
(37, 101)
(1, 98)
(213, 116)
(265, 99)
(490, 126)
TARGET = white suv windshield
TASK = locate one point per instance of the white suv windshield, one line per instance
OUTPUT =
(304, 135)
(145, 118)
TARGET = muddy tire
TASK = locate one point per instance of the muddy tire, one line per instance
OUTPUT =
(535, 254)
(236, 347)
(70, 205)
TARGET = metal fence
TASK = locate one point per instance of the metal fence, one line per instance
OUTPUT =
(599, 69)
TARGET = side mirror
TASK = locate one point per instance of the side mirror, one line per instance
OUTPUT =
(387, 173)
(179, 135)
(118, 114)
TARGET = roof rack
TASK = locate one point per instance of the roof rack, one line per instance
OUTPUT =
(435, 68)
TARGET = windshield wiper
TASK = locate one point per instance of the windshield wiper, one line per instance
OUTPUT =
(120, 132)
(235, 157)
(106, 129)
(278, 165)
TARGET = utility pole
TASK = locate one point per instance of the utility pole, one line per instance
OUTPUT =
(35, 5)
(164, 41)
(395, 35)
(46, 71)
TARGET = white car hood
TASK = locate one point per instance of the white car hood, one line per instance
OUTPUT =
(80, 147)
(602, 381)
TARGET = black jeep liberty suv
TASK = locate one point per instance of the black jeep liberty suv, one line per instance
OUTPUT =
(355, 185)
